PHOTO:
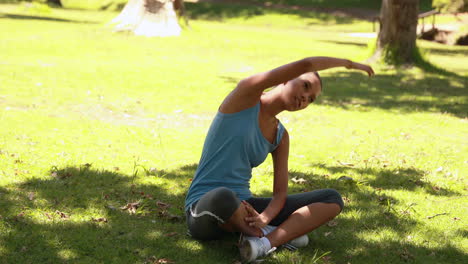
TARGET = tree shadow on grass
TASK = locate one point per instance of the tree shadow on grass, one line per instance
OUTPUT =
(219, 12)
(75, 215)
(410, 179)
(43, 18)
(347, 43)
(400, 92)
(79, 214)
(374, 225)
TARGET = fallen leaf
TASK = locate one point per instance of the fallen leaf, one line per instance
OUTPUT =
(62, 215)
(332, 223)
(170, 234)
(346, 199)
(100, 220)
(31, 196)
(299, 180)
(164, 260)
(48, 216)
(162, 205)
(131, 207)
(327, 234)
(155, 260)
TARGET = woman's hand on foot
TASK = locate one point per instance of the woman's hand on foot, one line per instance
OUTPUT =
(254, 219)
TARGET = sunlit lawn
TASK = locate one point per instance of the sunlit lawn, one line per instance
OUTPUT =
(93, 121)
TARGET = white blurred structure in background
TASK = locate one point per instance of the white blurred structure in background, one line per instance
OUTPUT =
(151, 18)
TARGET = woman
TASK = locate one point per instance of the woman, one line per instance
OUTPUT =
(243, 132)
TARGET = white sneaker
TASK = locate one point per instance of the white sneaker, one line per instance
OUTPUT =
(298, 242)
(252, 248)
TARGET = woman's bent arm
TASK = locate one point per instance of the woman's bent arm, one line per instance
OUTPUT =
(280, 186)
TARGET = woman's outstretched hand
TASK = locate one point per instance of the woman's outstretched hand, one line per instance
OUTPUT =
(362, 67)
(254, 219)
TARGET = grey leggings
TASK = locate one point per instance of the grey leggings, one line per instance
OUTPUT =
(217, 206)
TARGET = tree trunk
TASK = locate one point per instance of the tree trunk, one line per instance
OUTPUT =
(396, 43)
(151, 18)
(55, 2)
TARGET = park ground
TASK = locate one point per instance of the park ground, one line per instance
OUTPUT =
(101, 133)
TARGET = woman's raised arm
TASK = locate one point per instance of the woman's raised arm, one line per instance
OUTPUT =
(248, 91)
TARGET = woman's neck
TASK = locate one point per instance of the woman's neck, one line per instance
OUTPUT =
(271, 103)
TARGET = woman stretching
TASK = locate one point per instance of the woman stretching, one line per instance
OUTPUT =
(243, 132)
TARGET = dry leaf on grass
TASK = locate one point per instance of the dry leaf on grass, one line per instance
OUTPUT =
(332, 223)
(100, 220)
(299, 180)
(164, 260)
(31, 196)
(62, 215)
(131, 207)
(162, 205)
(346, 199)
(154, 260)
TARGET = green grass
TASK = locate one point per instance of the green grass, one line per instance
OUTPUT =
(92, 120)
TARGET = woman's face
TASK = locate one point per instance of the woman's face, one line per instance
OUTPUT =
(300, 92)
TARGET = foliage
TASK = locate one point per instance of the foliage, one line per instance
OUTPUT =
(451, 6)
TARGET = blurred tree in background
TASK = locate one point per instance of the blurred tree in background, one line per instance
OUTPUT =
(396, 42)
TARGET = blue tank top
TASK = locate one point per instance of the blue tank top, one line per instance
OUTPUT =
(234, 145)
